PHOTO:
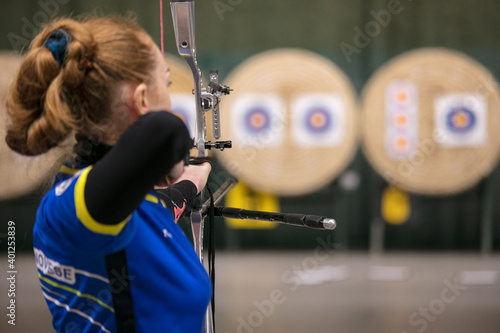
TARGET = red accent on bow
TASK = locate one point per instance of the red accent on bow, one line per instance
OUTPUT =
(178, 211)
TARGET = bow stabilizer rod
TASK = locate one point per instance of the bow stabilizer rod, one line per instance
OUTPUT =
(300, 220)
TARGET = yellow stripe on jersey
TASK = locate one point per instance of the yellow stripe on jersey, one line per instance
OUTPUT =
(152, 198)
(52, 291)
(76, 292)
(83, 214)
(68, 170)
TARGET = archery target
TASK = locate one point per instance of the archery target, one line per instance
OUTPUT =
(183, 105)
(428, 122)
(318, 120)
(181, 96)
(257, 120)
(180, 76)
(292, 118)
(460, 120)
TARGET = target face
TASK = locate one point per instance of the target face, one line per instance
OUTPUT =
(401, 95)
(402, 121)
(460, 120)
(258, 120)
(401, 103)
(183, 105)
(401, 144)
(318, 120)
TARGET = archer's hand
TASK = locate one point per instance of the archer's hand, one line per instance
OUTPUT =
(197, 174)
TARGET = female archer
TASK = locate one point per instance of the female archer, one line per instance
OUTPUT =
(109, 254)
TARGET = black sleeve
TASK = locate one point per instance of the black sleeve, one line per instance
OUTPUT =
(144, 154)
(179, 198)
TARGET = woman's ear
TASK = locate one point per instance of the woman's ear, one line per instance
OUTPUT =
(140, 100)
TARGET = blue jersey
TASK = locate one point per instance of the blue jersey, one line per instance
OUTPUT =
(142, 272)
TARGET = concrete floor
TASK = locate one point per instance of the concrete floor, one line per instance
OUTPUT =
(321, 292)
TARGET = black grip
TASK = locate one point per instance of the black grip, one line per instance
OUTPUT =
(198, 202)
(230, 213)
(200, 160)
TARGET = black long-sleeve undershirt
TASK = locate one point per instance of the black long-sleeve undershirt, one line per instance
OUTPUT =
(144, 155)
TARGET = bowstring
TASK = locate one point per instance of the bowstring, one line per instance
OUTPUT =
(161, 29)
(211, 253)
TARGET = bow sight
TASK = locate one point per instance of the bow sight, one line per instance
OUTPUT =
(210, 99)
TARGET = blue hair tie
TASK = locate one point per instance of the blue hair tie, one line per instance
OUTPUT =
(57, 43)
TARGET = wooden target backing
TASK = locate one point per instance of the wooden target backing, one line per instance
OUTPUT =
(180, 75)
(180, 89)
(429, 121)
(293, 121)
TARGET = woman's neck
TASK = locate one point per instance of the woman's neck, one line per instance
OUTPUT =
(89, 151)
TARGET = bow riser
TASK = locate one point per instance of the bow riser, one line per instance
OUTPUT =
(183, 20)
